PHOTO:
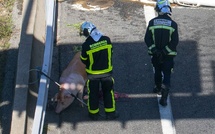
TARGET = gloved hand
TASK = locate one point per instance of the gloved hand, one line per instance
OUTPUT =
(161, 57)
(159, 54)
(156, 52)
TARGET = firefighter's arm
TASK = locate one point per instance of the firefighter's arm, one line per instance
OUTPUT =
(170, 49)
(83, 56)
(149, 40)
(83, 59)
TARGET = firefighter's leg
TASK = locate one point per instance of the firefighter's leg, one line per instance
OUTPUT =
(93, 100)
(157, 79)
(157, 75)
(108, 95)
(167, 67)
(164, 95)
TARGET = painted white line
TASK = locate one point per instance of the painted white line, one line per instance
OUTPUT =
(149, 13)
(167, 122)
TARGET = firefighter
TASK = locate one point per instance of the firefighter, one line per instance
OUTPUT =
(162, 39)
(97, 54)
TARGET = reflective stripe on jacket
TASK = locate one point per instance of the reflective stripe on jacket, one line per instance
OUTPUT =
(162, 34)
(97, 56)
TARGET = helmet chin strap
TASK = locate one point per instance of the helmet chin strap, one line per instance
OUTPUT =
(92, 30)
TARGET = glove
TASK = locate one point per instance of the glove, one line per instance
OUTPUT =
(159, 54)
(161, 57)
(156, 52)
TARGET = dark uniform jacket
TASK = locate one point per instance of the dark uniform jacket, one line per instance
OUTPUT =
(162, 35)
(97, 56)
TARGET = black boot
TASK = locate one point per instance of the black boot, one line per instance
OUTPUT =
(112, 115)
(157, 89)
(164, 93)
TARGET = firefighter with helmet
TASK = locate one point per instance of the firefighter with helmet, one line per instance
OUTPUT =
(97, 54)
(162, 39)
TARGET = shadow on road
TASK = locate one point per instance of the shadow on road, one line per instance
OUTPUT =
(134, 76)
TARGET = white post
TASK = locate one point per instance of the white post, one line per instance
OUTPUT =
(46, 68)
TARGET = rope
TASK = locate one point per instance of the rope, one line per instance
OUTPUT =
(37, 76)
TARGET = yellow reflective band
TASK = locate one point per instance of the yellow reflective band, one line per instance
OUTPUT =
(170, 52)
(90, 53)
(162, 27)
(110, 109)
(149, 51)
(91, 61)
(108, 46)
(98, 44)
(168, 49)
(170, 33)
(172, 70)
(93, 111)
(153, 35)
(88, 91)
(113, 107)
(152, 46)
(88, 104)
(83, 58)
(171, 30)
(113, 80)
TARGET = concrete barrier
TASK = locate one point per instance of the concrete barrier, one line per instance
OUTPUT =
(30, 55)
(19, 114)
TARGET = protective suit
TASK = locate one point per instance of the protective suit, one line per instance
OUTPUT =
(162, 39)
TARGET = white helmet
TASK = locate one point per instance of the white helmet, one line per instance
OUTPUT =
(163, 7)
(86, 28)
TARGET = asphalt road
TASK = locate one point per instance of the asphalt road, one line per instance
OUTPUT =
(192, 93)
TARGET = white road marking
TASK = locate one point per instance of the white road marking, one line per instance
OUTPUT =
(167, 121)
(149, 13)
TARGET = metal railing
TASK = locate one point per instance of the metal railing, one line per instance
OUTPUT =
(39, 115)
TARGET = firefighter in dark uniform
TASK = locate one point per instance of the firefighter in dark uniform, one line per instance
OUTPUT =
(97, 56)
(161, 39)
